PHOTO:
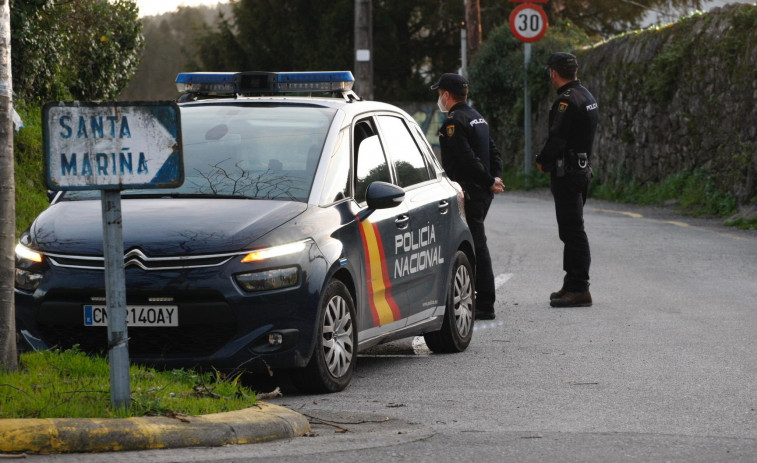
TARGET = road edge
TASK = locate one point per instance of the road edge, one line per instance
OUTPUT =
(259, 423)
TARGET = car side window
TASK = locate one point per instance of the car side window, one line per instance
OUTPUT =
(370, 161)
(409, 164)
(337, 183)
(426, 147)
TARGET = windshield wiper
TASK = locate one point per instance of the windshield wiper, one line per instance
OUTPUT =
(184, 195)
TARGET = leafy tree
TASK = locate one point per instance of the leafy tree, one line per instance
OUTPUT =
(170, 48)
(82, 49)
(412, 41)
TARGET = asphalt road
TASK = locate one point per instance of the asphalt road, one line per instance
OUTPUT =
(662, 368)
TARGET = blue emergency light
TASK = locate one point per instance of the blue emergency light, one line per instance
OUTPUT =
(260, 83)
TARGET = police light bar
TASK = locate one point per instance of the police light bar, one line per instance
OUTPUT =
(258, 82)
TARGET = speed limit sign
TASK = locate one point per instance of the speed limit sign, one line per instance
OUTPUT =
(528, 22)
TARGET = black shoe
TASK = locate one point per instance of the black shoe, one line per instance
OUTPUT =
(572, 300)
(487, 315)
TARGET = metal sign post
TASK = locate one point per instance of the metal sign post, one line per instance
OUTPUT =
(528, 24)
(115, 295)
(113, 147)
(527, 108)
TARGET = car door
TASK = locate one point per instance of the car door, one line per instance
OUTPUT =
(418, 252)
(383, 311)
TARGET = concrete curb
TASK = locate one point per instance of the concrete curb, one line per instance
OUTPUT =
(258, 423)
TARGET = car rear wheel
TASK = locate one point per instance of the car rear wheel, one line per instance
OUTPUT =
(457, 329)
(333, 361)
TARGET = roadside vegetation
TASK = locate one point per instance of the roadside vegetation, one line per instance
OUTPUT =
(72, 384)
(692, 193)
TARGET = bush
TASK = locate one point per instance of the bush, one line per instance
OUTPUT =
(31, 188)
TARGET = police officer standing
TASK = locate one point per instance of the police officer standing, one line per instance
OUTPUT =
(470, 158)
(572, 124)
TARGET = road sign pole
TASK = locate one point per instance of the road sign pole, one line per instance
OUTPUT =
(527, 109)
(115, 296)
(528, 23)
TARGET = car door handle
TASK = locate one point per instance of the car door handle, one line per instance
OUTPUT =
(444, 206)
(402, 221)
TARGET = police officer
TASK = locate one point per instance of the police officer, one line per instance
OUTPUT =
(572, 124)
(470, 158)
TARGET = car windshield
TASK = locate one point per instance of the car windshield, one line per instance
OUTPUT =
(261, 151)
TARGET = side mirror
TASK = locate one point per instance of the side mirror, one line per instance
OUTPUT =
(381, 195)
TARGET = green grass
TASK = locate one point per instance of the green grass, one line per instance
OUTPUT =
(71, 384)
(694, 192)
(518, 180)
(742, 223)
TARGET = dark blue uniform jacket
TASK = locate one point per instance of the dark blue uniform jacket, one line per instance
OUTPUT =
(572, 124)
(468, 152)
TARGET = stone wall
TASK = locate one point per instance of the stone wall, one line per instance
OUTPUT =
(675, 98)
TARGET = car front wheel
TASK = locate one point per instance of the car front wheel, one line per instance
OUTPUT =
(457, 329)
(333, 361)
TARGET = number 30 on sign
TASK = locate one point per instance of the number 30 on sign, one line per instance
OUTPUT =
(528, 22)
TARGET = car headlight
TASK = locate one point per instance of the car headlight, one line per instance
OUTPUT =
(266, 280)
(276, 251)
(22, 252)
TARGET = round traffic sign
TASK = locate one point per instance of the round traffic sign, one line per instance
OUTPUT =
(528, 22)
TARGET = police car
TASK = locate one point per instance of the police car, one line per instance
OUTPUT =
(311, 225)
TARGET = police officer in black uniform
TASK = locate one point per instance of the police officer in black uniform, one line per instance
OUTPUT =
(470, 158)
(572, 124)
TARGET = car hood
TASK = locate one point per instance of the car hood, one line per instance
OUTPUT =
(162, 227)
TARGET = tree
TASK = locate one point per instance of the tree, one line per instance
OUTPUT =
(170, 48)
(413, 41)
(8, 359)
(91, 54)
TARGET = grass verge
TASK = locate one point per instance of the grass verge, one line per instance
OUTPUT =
(72, 384)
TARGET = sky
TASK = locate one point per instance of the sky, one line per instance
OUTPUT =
(153, 7)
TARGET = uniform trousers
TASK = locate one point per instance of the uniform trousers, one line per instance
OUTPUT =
(475, 213)
(570, 192)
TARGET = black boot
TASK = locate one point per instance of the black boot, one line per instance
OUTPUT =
(572, 300)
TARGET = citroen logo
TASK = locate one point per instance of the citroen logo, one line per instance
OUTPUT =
(136, 258)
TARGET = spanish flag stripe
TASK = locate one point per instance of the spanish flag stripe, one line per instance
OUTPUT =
(383, 307)
(387, 283)
(368, 276)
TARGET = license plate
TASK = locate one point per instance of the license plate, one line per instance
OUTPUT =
(136, 315)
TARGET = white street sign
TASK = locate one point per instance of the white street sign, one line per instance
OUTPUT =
(112, 145)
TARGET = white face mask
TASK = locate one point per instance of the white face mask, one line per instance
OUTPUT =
(440, 105)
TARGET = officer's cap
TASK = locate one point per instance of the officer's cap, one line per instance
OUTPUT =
(453, 83)
(562, 60)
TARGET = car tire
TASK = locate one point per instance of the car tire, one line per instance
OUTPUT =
(457, 328)
(332, 364)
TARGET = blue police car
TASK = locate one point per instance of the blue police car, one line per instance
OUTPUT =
(311, 225)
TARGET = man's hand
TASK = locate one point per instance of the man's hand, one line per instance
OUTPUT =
(497, 186)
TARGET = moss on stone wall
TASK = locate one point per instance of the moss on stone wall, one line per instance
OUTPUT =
(673, 100)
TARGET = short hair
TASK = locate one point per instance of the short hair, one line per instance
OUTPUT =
(459, 96)
(566, 72)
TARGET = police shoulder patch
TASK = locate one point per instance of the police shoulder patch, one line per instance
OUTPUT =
(450, 130)
(562, 107)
